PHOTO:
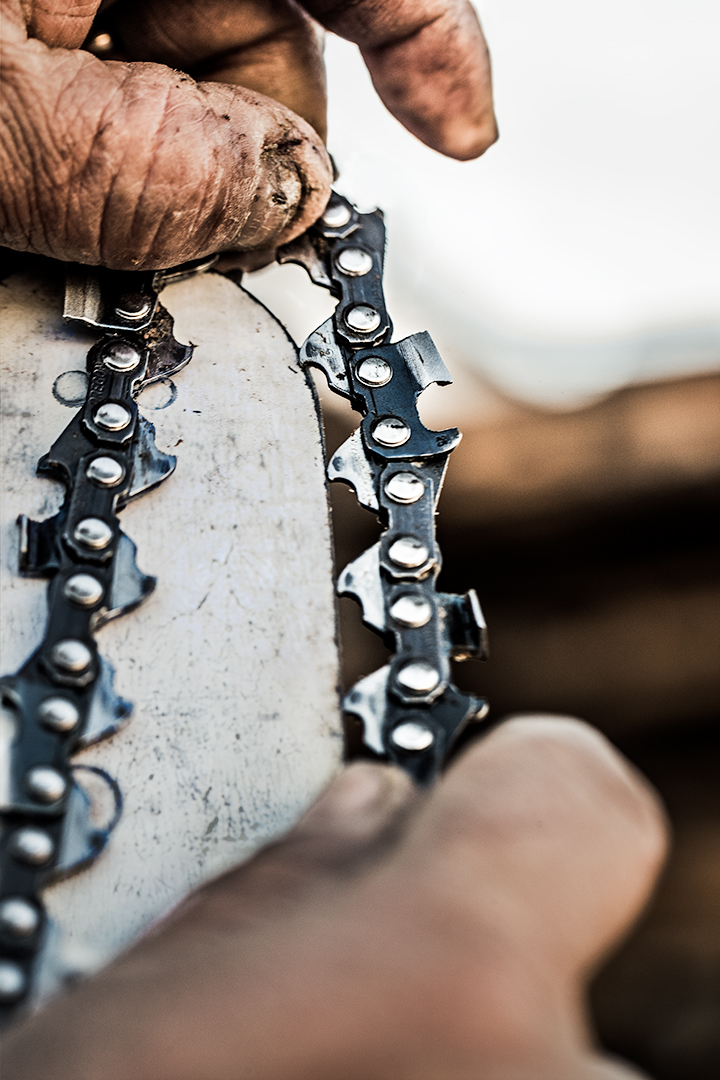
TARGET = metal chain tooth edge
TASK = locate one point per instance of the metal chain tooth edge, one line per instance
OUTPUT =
(410, 710)
(62, 698)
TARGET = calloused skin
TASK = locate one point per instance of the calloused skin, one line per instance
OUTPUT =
(394, 934)
(132, 163)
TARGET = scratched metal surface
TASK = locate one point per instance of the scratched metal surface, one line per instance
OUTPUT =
(232, 663)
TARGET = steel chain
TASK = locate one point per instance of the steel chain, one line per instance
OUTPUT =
(62, 699)
(410, 710)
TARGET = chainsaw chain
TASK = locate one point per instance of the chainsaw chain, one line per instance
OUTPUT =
(62, 699)
(410, 710)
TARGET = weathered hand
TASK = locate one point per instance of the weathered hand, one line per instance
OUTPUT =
(392, 935)
(133, 164)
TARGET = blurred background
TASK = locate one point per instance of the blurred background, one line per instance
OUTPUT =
(571, 280)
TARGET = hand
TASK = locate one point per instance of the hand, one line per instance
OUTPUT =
(393, 935)
(135, 165)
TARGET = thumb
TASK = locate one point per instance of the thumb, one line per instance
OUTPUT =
(358, 816)
(547, 834)
(136, 166)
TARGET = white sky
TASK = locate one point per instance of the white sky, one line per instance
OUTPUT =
(583, 251)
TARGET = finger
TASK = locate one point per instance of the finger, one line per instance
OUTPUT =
(545, 814)
(429, 63)
(58, 23)
(137, 166)
(272, 48)
(353, 821)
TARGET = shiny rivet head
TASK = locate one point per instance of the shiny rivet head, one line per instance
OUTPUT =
(418, 676)
(32, 846)
(112, 416)
(45, 784)
(12, 982)
(354, 262)
(58, 714)
(408, 551)
(18, 917)
(121, 356)
(133, 306)
(101, 43)
(336, 216)
(404, 487)
(83, 589)
(373, 371)
(106, 471)
(71, 655)
(391, 431)
(363, 318)
(413, 736)
(93, 533)
(410, 610)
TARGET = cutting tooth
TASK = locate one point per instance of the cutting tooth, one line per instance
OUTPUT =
(79, 845)
(350, 464)
(166, 355)
(423, 360)
(362, 580)
(83, 298)
(83, 840)
(368, 701)
(150, 465)
(38, 554)
(107, 712)
(464, 625)
(129, 585)
(321, 350)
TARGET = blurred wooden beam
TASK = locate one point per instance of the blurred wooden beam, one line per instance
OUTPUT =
(643, 439)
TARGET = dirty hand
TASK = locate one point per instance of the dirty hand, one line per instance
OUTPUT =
(132, 164)
(393, 935)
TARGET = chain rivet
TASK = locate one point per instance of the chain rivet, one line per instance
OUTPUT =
(354, 262)
(391, 431)
(418, 677)
(413, 735)
(58, 714)
(404, 487)
(408, 552)
(133, 306)
(336, 215)
(18, 917)
(93, 533)
(112, 416)
(120, 356)
(83, 589)
(105, 471)
(45, 784)
(411, 610)
(374, 371)
(71, 655)
(32, 846)
(363, 318)
(12, 982)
